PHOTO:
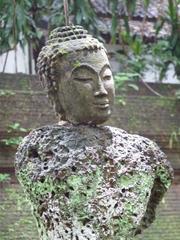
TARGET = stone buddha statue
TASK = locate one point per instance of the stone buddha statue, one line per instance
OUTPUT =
(85, 181)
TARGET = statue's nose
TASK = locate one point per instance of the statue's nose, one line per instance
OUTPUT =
(100, 89)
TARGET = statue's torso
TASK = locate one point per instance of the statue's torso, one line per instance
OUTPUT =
(92, 182)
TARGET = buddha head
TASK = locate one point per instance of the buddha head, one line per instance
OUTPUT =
(77, 75)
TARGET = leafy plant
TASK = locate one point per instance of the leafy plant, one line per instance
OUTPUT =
(18, 24)
(121, 100)
(172, 49)
(84, 14)
(16, 127)
(123, 77)
(122, 84)
(114, 21)
(21, 22)
(164, 52)
(4, 177)
(129, 6)
(19, 19)
(123, 32)
(4, 92)
(13, 141)
(174, 138)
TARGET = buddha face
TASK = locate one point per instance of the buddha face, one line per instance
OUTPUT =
(86, 89)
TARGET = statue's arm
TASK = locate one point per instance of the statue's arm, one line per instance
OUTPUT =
(163, 180)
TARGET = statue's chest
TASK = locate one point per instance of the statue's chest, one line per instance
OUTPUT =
(105, 188)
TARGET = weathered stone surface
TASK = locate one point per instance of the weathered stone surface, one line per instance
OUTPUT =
(91, 182)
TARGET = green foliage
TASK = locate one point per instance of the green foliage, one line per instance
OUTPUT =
(84, 14)
(133, 65)
(81, 10)
(124, 32)
(122, 78)
(120, 100)
(130, 7)
(146, 3)
(76, 64)
(172, 49)
(19, 19)
(114, 22)
(16, 127)
(162, 57)
(164, 52)
(14, 141)
(174, 139)
(4, 177)
(4, 92)
(18, 23)
(125, 36)
(123, 85)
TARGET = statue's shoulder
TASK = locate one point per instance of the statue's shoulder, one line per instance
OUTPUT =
(132, 138)
(43, 133)
(136, 143)
(145, 152)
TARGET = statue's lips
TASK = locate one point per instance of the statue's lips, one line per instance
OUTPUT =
(102, 105)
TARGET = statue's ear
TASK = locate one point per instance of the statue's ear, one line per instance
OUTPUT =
(57, 106)
(42, 79)
(52, 91)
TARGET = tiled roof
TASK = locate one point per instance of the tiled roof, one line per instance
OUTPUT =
(142, 22)
(154, 10)
(138, 28)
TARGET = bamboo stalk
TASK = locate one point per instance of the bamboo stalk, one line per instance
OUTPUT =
(15, 59)
(30, 57)
(66, 13)
(5, 62)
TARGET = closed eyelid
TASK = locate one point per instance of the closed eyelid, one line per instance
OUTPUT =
(80, 79)
(83, 67)
(83, 73)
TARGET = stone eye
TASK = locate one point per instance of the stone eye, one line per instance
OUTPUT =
(83, 80)
(107, 77)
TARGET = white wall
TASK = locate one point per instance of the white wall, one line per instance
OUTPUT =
(21, 63)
